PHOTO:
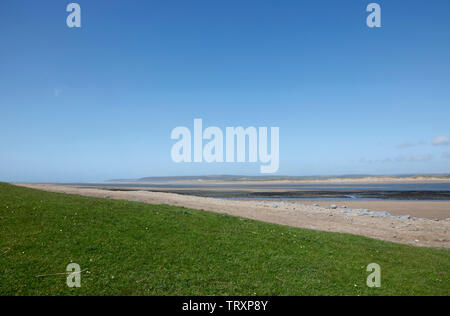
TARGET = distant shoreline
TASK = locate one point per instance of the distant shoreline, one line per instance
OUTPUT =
(288, 180)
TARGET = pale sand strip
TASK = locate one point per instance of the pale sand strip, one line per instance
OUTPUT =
(306, 181)
(312, 181)
(418, 232)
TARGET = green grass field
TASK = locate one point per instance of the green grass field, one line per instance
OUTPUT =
(132, 248)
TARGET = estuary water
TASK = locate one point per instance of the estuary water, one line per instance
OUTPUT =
(304, 191)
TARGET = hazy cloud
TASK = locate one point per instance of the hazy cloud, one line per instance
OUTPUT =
(370, 161)
(406, 145)
(441, 141)
(403, 158)
(446, 155)
(57, 92)
(409, 144)
(414, 158)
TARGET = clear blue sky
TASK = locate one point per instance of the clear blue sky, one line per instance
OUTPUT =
(100, 102)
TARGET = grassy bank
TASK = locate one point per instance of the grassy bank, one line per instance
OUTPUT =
(132, 248)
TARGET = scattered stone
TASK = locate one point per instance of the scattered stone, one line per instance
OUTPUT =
(316, 204)
(442, 240)
(394, 236)
(375, 214)
(333, 207)
(382, 214)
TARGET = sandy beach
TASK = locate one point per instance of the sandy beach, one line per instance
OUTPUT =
(427, 225)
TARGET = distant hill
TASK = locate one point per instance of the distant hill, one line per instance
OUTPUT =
(265, 178)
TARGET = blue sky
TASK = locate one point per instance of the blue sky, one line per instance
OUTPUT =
(99, 102)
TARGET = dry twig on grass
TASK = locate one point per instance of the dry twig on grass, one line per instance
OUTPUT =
(56, 274)
(7, 250)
